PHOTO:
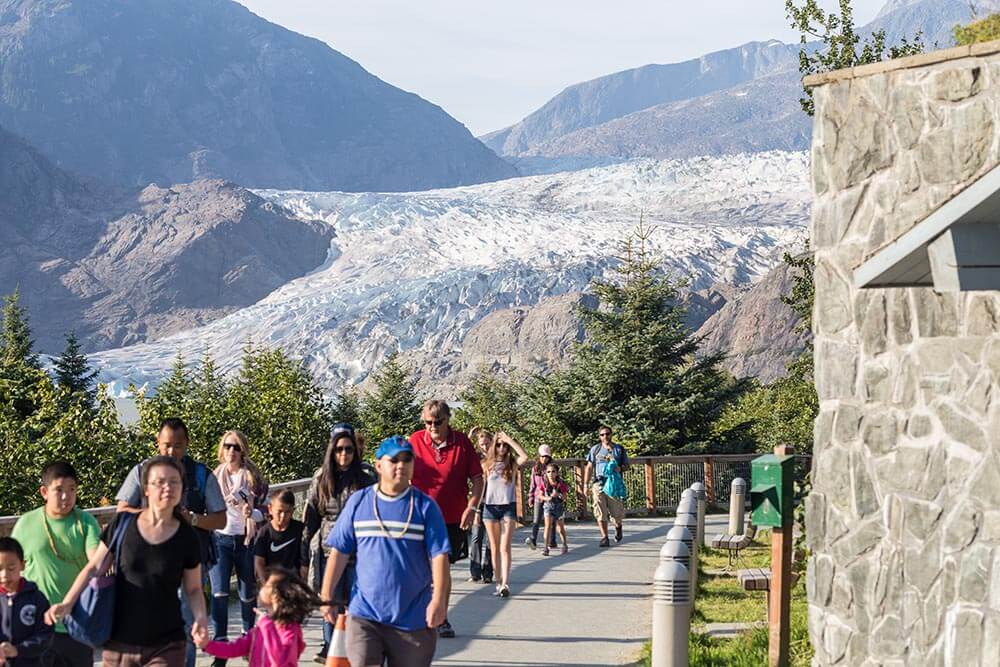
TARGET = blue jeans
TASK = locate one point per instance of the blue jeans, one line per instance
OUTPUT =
(232, 555)
(480, 562)
(190, 650)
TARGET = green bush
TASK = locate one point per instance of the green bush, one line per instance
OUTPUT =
(983, 30)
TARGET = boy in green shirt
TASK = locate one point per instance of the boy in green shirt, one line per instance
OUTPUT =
(58, 540)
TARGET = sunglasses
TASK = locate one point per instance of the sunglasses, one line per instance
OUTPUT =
(233, 446)
(433, 422)
(604, 435)
(402, 458)
(551, 472)
(344, 450)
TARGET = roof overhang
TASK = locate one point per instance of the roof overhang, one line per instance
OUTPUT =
(955, 248)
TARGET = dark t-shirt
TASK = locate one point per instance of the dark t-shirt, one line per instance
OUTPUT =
(281, 547)
(147, 609)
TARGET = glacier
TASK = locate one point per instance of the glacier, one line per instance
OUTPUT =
(415, 271)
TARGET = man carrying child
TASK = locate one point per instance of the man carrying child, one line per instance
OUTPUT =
(58, 540)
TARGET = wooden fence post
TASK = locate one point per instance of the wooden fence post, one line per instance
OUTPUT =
(779, 596)
(650, 488)
(709, 482)
(581, 493)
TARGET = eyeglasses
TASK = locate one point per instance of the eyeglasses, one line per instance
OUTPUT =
(605, 434)
(235, 446)
(551, 472)
(433, 422)
(344, 450)
(166, 483)
(402, 458)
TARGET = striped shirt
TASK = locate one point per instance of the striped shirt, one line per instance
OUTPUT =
(394, 549)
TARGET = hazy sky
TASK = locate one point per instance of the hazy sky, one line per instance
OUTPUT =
(489, 64)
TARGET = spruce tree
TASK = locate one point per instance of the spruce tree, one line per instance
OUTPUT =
(20, 371)
(74, 373)
(391, 408)
(16, 343)
(347, 408)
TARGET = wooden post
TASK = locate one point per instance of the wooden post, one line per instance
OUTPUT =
(709, 482)
(650, 489)
(519, 496)
(779, 598)
(581, 493)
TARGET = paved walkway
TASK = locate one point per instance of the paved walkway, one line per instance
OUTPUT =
(589, 607)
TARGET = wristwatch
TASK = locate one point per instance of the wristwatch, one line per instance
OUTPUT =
(194, 520)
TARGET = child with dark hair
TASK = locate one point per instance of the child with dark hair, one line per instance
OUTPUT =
(554, 492)
(280, 541)
(24, 635)
(276, 639)
(58, 540)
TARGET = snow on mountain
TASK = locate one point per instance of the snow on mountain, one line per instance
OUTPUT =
(415, 271)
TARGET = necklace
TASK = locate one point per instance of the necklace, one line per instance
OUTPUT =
(378, 517)
(52, 542)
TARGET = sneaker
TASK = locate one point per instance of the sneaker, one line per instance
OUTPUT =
(531, 543)
(487, 578)
(319, 659)
(604, 542)
(565, 550)
(445, 631)
(504, 591)
(473, 580)
(618, 533)
(221, 662)
(545, 551)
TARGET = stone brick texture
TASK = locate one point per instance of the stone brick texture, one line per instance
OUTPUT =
(904, 518)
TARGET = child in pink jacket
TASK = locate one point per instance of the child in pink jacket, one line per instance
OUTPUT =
(276, 640)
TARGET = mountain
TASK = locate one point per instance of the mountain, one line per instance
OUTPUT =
(616, 95)
(451, 277)
(120, 267)
(171, 91)
(736, 100)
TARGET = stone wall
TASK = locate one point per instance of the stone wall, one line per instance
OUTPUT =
(904, 517)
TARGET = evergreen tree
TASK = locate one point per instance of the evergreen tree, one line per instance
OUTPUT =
(20, 374)
(391, 408)
(637, 370)
(347, 408)
(490, 402)
(74, 373)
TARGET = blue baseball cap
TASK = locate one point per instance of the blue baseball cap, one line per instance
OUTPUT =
(392, 446)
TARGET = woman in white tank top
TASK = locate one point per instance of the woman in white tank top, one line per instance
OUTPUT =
(503, 458)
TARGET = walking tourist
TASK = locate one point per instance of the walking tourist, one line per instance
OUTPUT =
(342, 473)
(554, 493)
(58, 539)
(244, 491)
(445, 464)
(160, 552)
(535, 490)
(201, 502)
(605, 506)
(24, 634)
(276, 639)
(480, 560)
(403, 582)
(280, 542)
(503, 459)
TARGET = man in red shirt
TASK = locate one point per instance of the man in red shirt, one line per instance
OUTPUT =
(445, 463)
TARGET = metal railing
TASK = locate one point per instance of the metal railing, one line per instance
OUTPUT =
(654, 485)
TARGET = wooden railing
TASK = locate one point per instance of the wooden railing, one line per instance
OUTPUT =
(654, 485)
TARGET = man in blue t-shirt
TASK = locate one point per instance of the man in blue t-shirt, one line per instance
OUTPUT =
(403, 580)
(604, 505)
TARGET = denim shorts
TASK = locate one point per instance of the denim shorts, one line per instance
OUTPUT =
(555, 509)
(500, 512)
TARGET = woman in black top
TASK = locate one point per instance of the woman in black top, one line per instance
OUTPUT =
(159, 552)
(342, 473)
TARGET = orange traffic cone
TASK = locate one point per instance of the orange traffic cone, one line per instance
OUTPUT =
(336, 655)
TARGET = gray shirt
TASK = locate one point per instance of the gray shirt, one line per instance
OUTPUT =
(131, 491)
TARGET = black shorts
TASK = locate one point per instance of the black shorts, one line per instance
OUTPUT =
(459, 540)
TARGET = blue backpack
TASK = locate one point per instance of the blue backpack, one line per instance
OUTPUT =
(93, 615)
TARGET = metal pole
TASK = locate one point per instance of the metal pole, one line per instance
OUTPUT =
(737, 503)
(671, 615)
(700, 496)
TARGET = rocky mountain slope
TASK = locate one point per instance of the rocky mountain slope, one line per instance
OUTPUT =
(121, 267)
(737, 100)
(450, 276)
(171, 91)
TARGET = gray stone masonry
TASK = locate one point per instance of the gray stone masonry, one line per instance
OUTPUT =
(904, 517)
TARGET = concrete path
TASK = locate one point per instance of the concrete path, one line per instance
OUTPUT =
(589, 607)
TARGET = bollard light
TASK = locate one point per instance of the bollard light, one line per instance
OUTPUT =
(687, 493)
(737, 505)
(671, 615)
(701, 497)
(676, 551)
(690, 522)
(682, 535)
(687, 505)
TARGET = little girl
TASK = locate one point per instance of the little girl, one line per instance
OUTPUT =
(276, 640)
(553, 498)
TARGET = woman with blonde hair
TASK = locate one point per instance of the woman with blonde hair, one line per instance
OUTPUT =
(245, 493)
(500, 503)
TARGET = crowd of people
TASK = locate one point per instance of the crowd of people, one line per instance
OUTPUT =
(375, 544)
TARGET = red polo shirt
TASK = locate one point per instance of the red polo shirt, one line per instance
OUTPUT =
(444, 473)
